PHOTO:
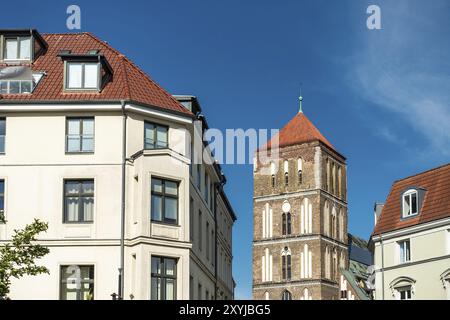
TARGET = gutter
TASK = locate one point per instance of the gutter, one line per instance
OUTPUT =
(122, 207)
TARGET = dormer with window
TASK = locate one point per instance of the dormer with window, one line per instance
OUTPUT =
(21, 46)
(85, 72)
(411, 202)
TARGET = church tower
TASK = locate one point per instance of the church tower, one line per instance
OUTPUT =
(299, 216)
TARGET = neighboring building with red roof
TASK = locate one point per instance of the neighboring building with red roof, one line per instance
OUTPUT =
(95, 147)
(299, 215)
(411, 238)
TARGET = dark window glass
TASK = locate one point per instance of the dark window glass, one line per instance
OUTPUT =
(164, 278)
(286, 179)
(77, 283)
(164, 201)
(155, 136)
(80, 135)
(414, 203)
(286, 295)
(78, 200)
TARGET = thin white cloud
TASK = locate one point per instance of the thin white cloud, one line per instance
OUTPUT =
(401, 71)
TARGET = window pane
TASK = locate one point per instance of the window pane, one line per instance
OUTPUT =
(87, 144)
(25, 48)
(406, 207)
(73, 126)
(2, 187)
(88, 208)
(170, 267)
(156, 208)
(171, 206)
(157, 185)
(72, 187)
(414, 203)
(73, 143)
(14, 87)
(11, 49)
(149, 135)
(156, 288)
(156, 265)
(3, 87)
(74, 75)
(171, 188)
(25, 86)
(71, 213)
(161, 137)
(87, 187)
(170, 289)
(91, 76)
(88, 126)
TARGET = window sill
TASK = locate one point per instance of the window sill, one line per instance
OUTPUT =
(79, 153)
(165, 223)
(78, 222)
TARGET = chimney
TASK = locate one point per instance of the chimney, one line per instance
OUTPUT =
(378, 206)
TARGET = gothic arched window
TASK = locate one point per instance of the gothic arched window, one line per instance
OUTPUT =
(286, 264)
(286, 224)
(286, 295)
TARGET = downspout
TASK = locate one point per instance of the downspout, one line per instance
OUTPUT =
(122, 207)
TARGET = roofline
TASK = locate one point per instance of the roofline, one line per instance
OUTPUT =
(118, 101)
(420, 173)
(228, 204)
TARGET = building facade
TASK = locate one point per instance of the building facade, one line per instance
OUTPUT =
(300, 216)
(93, 146)
(411, 239)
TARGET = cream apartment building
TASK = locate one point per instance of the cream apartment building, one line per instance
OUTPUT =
(93, 146)
(411, 239)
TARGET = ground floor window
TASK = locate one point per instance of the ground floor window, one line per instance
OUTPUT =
(164, 278)
(404, 293)
(286, 295)
(77, 282)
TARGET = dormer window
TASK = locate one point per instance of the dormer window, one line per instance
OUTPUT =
(85, 72)
(17, 48)
(82, 76)
(410, 203)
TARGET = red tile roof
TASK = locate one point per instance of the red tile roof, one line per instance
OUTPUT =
(128, 83)
(299, 130)
(436, 203)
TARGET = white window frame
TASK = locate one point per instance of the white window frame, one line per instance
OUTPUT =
(406, 256)
(8, 86)
(409, 195)
(404, 289)
(18, 40)
(83, 72)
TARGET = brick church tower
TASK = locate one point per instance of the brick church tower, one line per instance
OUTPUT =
(299, 216)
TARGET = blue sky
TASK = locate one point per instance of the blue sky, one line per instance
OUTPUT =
(380, 96)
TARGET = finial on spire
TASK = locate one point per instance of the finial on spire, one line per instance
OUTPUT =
(300, 99)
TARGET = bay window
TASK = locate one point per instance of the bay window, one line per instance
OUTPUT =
(163, 278)
(164, 201)
(155, 136)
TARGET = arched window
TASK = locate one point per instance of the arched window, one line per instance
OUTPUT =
(402, 288)
(327, 175)
(287, 224)
(266, 296)
(327, 263)
(306, 216)
(267, 265)
(410, 203)
(286, 264)
(306, 295)
(339, 182)
(267, 218)
(286, 295)
(341, 225)
(306, 262)
(333, 222)
(286, 172)
(300, 171)
(272, 173)
(326, 218)
(335, 264)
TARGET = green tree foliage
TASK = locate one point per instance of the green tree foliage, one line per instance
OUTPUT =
(18, 257)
